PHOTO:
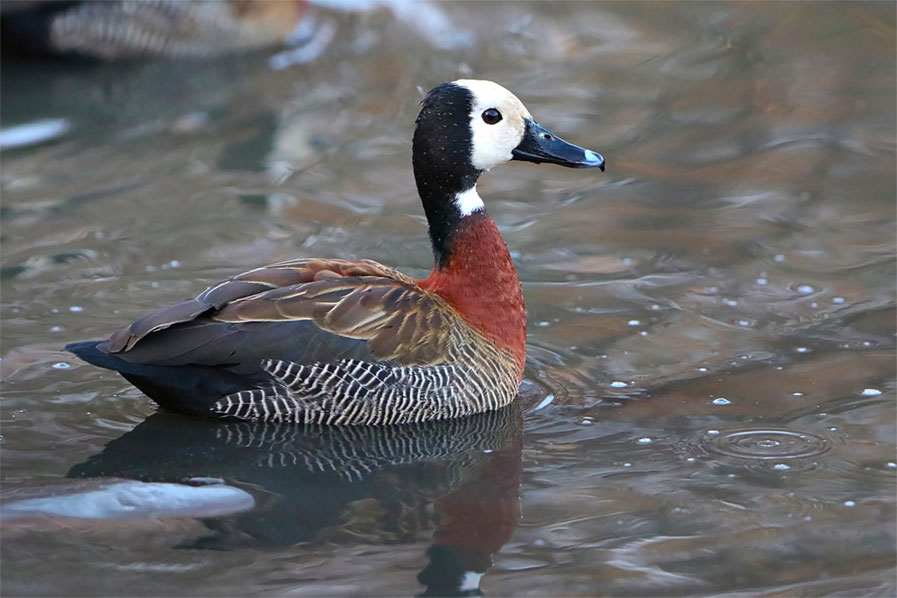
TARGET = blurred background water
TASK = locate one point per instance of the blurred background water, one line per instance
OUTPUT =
(709, 403)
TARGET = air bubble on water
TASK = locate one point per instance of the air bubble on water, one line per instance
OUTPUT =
(744, 323)
(797, 394)
(655, 307)
(712, 432)
(849, 503)
(802, 350)
(833, 429)
(806, 289)
(867, 343)
(691, 459)
(618, 384)
(814, 305)
(702, 369)
(838, 300)
(627, 465)
(61, 365)
(730, 302)
(721, 401)
(55, 310)
(891, 465)
(871, 392)
(762, 281)
(586, 422)
(779, 368)
(487, 451)
(75, 308)
(543, 324)
(633, 322)
(645, 440)
(781, 467)
(56, 329)
(643, 333)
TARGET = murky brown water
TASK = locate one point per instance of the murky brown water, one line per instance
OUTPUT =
(709, 403)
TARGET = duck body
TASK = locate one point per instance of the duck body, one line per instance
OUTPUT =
(355, 342)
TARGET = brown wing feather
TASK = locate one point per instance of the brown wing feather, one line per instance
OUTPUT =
(400, 321)
(361, 300)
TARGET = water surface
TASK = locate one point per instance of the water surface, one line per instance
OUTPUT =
(709, 398)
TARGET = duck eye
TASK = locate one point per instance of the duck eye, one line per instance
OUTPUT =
(491, 116)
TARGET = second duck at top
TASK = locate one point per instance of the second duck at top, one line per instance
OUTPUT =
(355, 342)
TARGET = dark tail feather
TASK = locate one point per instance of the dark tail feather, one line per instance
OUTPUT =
(89, 352)
(190, 389)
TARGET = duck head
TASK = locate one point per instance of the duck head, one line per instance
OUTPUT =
(469, 126)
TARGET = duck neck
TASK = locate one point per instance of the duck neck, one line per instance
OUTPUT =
(446, 183)
(474, 273)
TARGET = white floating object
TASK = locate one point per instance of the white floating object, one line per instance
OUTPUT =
(33, 133)
(544, 403)
(136, 500)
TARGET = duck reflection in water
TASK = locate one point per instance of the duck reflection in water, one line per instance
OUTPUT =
(383, 485)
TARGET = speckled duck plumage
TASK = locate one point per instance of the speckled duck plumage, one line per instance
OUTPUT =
(355, 342)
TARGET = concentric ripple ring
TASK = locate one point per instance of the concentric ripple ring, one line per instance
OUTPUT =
(767, 443)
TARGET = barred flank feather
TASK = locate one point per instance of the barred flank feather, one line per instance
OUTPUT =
(354, 392)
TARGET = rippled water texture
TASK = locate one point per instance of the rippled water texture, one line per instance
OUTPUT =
(709, 404)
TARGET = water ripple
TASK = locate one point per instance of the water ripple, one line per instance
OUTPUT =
(774, 445)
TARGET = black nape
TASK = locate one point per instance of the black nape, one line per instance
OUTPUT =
(441, 157)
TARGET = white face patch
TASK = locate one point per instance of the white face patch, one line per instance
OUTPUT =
(492, 144)
(469, 201)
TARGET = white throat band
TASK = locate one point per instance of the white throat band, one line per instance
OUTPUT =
(469, 201)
